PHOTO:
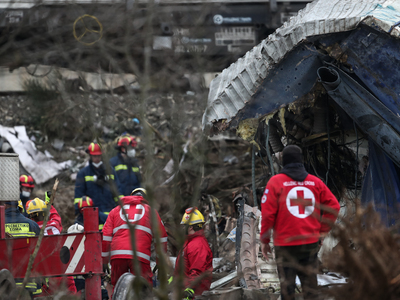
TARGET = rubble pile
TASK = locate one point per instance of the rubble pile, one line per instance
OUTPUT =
(185, 164)
(175, 122)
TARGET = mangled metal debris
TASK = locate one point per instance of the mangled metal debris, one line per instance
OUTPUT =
(41, 167)
(282, 68)
(286, 84)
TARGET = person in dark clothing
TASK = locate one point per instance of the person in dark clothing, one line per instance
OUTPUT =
(17, 225)
(93, 181)
(299, 208)
(26, 186)
(126, 166)
(88, 202)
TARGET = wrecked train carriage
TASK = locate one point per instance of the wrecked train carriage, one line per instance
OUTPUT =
(327, 81)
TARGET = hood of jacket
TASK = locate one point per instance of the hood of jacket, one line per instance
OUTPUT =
(296, 171)
(134, 200)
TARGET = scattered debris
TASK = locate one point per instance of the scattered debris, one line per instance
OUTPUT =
(35, 162)
(58, 144)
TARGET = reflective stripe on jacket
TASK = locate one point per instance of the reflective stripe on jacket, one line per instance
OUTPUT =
(128, 174)
(116, 235)
(19, 226)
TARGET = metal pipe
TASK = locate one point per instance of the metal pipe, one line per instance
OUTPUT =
(253, 176)
(93, 259)
(214, 216)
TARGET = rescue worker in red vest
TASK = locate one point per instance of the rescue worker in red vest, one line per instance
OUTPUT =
(17, 225)
(54, 215)
(26, 186)
(197, 255)
(94, 182)
(116, 236)
(299, 208)
(126, 165)
(37, 210)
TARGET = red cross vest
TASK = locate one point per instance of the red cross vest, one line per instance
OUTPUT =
(298, 212)
(53, 226)
(116, 237)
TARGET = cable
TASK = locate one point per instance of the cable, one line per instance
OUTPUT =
(262, 159)
(269, 154)
(356, 165)
(329, 143)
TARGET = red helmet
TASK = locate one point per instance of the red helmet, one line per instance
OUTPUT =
(85, 201)
(94, 149)
(27, 181)
(127, 141)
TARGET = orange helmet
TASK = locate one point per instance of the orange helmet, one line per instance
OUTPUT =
(27, 181)
(94, 149)
(27, 204)
(127, 141)
(85, 201)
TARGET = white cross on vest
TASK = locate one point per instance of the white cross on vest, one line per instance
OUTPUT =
(139, 213)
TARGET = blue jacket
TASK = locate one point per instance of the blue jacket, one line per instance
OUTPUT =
(128, 174)
(94, 183)
(19, 226)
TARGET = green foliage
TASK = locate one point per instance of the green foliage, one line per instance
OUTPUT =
(37, 92)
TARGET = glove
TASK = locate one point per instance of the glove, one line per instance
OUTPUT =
(188, 294)
(47, 196)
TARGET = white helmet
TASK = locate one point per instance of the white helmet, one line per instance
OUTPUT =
(76, 228)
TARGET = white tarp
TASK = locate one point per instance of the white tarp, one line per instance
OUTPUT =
(36, 163)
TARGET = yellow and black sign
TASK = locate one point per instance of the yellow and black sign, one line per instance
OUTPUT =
(19, 229)
(87, 30)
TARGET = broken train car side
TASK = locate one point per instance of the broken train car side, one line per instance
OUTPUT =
(327, 80)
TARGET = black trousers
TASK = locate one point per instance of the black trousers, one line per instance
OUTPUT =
(301, 261)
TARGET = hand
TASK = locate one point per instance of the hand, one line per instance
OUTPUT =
(265, 249)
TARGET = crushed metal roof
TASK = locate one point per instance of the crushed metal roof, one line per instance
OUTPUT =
(235, 86)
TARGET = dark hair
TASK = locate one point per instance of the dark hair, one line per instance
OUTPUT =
(38, 216)
(292, 154)
(139, 193)
(197, 227)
